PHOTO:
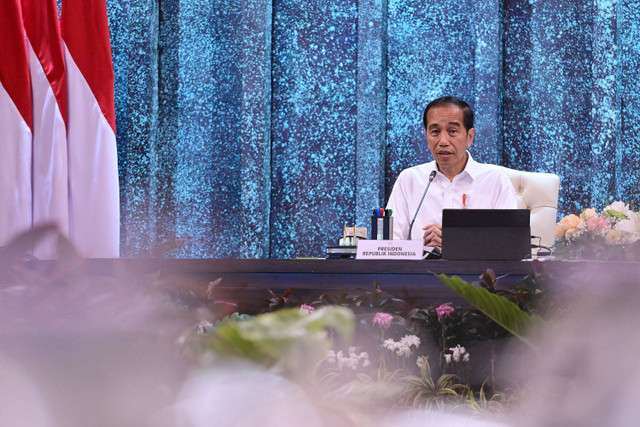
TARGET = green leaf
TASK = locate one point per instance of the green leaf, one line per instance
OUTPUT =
(616, 214)
(289, 340)
(498, 308)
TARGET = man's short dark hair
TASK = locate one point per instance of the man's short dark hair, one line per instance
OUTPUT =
(467, 112)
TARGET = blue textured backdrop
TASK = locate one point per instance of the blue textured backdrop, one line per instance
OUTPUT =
(255, 128)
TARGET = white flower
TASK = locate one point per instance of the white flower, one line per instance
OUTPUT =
(616, 211)
(420, 360)
(403, 347)
(613, 237)
(351, 362)
(629, 229)
(579, 230)
(365, 359)
(458, 353)
(389, 344)
(411, 340)
(406, 343)
(621, 207)
(404, 351)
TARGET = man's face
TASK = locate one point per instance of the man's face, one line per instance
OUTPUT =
(448, 139)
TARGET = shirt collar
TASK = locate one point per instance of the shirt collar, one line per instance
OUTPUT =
(472, 167)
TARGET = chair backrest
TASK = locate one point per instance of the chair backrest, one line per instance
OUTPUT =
(538, 192)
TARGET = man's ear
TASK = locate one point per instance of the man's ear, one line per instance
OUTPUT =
(470, 135)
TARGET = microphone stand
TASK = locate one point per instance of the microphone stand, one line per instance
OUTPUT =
(431, 176)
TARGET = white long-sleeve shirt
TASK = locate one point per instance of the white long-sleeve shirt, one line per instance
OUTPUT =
(484, 188)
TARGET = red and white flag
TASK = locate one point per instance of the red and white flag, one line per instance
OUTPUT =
(15, 124)
(49, 89)
(93, 166)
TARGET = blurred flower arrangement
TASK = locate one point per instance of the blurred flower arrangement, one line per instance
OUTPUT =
(356, 355)
(372, 353)
(612, 234)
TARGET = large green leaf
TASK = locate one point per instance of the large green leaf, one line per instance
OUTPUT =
(498, 308)
(289, 341)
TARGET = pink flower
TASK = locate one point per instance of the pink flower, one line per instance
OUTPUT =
(383, 320)
(307, 308)
(444, 311)
(597, 225)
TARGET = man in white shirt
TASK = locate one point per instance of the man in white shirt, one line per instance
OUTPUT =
(459, 180)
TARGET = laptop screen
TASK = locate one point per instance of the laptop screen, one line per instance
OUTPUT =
(486, 234)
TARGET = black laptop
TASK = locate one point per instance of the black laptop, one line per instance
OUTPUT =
(486, 234)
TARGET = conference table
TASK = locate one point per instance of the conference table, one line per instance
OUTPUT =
(251, 282)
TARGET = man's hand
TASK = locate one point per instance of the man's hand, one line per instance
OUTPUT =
(433, 235)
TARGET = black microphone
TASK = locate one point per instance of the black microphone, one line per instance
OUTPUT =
(431, 176)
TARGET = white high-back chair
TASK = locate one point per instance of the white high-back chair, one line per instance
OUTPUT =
(538, 192)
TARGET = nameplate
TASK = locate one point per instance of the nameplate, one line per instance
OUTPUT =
(389, 249)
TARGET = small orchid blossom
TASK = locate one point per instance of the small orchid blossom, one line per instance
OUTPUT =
(402, 347)
(458, 354)
(383, 320)
(443, 311)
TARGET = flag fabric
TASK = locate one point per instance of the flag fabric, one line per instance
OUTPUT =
(93, 168)
(15, 124)
(49, 97)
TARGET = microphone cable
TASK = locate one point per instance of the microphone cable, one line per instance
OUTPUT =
(542, 249)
